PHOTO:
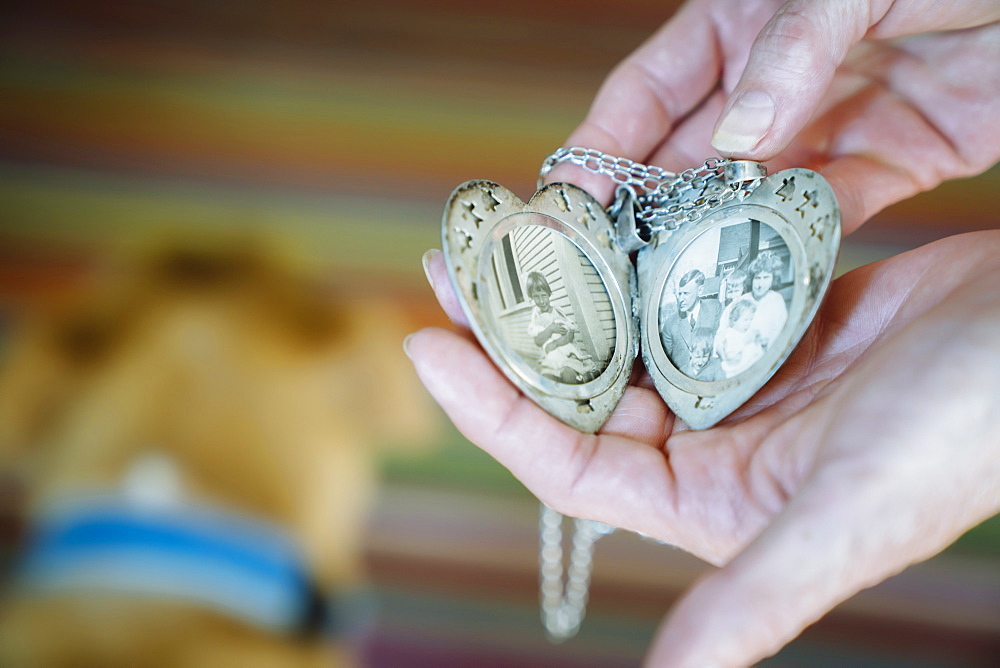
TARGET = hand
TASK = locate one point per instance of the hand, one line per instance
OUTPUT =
(882, 111)
(874, 447)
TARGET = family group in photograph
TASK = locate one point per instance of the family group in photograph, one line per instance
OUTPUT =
(712, 339)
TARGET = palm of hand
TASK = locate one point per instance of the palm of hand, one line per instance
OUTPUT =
(776, 490)
(867, 451)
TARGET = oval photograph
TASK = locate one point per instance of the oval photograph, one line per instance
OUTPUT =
(549, 304)
(726, 300)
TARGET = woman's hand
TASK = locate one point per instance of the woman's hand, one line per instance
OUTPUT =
(877, 443)
(874, 447)
(885, 99)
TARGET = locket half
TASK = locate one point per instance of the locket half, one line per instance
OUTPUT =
(757, 271)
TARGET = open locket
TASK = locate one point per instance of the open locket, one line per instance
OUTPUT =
(718, 303)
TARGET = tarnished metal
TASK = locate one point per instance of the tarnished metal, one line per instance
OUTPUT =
(571, 348)
(630, 235)
(738, 172)
(786, 229)
(709, 221)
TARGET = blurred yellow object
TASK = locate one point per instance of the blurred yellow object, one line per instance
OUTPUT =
(210, 376)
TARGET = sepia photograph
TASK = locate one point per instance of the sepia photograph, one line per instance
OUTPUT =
(550, 304)
(726, 300)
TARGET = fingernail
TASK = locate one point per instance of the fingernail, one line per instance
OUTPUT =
(406, 345)
(746, 123)
(426, 260)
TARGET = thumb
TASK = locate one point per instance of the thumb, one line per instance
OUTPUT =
(880, 498)
(790, 67)
(800, 567)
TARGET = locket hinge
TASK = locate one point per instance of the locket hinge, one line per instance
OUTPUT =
(743, 175)
(630, 233)
(638, 219)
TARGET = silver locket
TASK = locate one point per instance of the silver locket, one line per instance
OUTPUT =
(731, 268)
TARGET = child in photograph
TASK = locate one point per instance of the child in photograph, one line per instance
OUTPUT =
(736, 283)
(732, 291)
(704, 364)
(553, 332)
(738, 345)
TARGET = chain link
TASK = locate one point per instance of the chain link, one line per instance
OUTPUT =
(621, 170)
(666, 200)
(564, 593)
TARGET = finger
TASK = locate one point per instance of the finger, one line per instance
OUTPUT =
(606, 477)
(864, 186)
(881, 494)
(489, 411)
(880, 157)
(831, 542)
(437, 275)
(647, 93)
(788, 579)
(910, 18)
(640, 415)
(790, 67)
(688, 144)
(895, 138)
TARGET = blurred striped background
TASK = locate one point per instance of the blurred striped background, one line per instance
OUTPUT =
(338, 130)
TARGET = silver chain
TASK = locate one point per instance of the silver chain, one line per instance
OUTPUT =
(564, 592)
(621, 170)
(666, 200)
(661, 200)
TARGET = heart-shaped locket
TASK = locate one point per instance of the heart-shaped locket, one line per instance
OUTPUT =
(725, 300)
(722, 300)
(547, 294)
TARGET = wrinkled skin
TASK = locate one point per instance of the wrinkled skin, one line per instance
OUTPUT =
(877, 444)
(864, 93)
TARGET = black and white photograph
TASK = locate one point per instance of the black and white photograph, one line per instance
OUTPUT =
(550, 304)
(726, 300)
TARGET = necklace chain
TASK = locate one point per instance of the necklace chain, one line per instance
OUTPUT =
(666, 200)
(564, 592)
(622, 171)
(654, 200)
